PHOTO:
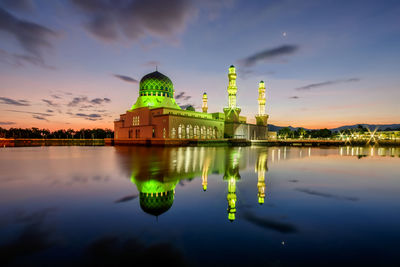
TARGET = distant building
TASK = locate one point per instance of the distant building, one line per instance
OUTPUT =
(156, 115)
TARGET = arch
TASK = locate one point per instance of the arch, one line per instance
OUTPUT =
(203, 132)
(173, 133)
(189, 131)
(196, 132)
(180, 131)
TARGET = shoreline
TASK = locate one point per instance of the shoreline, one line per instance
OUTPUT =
(26, 142)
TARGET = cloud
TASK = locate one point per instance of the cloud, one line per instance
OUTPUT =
(50, 103)
(270, 224)
(7, 123)
(294, 97)
(326, 195)
(18, 60)
(19, 5)
(33, 38)
(56, 96)
(39, 117)
(29, 112)
(98, 101)
(245, 73)
(322, 84)
(9, 101)
(183, 96)
(133, 20)
(91, 117)
(268, 54)
(125, 78)
(85, 100)
(126, 198)
(78, 100)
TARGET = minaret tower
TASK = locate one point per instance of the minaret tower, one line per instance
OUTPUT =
(261, 117)
(232, 111)
(205, 103)
(232, 88)
(261, 98)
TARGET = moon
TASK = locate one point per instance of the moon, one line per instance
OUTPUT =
(284, 34)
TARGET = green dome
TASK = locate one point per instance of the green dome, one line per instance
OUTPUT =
(156, 204)
(155, 90)
(156, 82)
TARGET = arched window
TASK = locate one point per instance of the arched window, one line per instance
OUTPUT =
(173, 133)
(196, 132)
(181, 131)
(203, 132)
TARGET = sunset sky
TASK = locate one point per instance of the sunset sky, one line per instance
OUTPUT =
(77, 63)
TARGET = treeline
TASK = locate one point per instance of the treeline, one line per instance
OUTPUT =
(58, 134)
(302, 133)
(325, 133)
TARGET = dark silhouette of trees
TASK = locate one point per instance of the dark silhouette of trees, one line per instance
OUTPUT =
(301, 132)
(35, 133)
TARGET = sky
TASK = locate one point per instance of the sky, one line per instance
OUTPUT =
(76, 63)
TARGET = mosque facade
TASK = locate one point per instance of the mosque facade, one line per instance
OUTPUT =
(156, 115)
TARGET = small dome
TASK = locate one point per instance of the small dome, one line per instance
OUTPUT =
(262, 82)
(231, 66)
(156, 81)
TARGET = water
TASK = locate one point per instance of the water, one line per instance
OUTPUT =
(62, 206)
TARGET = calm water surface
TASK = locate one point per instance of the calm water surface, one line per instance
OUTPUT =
(280, 206)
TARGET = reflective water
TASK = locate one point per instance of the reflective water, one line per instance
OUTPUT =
(194, 206)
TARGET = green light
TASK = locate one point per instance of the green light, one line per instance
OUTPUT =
(154, 186)
(156, 90)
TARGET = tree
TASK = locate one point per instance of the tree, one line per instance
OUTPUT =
(285, 132)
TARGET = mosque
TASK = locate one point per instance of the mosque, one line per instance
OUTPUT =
(156, 115)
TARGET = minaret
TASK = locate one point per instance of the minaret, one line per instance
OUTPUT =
(205, 105)
(231, 197)
(232, 88)
(232, 111)
(261, 168)
(261, 117)
(261, 98)
(232, 175)
(204, 174)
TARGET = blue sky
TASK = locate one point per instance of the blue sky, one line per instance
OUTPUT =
(340, 66)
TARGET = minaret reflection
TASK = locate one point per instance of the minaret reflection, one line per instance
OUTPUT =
(204, 173)
(260, 168)
(232, 175)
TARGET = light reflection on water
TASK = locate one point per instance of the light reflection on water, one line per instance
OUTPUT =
(199, 205)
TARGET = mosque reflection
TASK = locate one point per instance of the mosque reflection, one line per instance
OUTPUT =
(157, 171)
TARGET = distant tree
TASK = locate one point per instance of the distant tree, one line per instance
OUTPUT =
(361, 129)
(285, 132)
(57, 134)
(300, 132)
(191, 108)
